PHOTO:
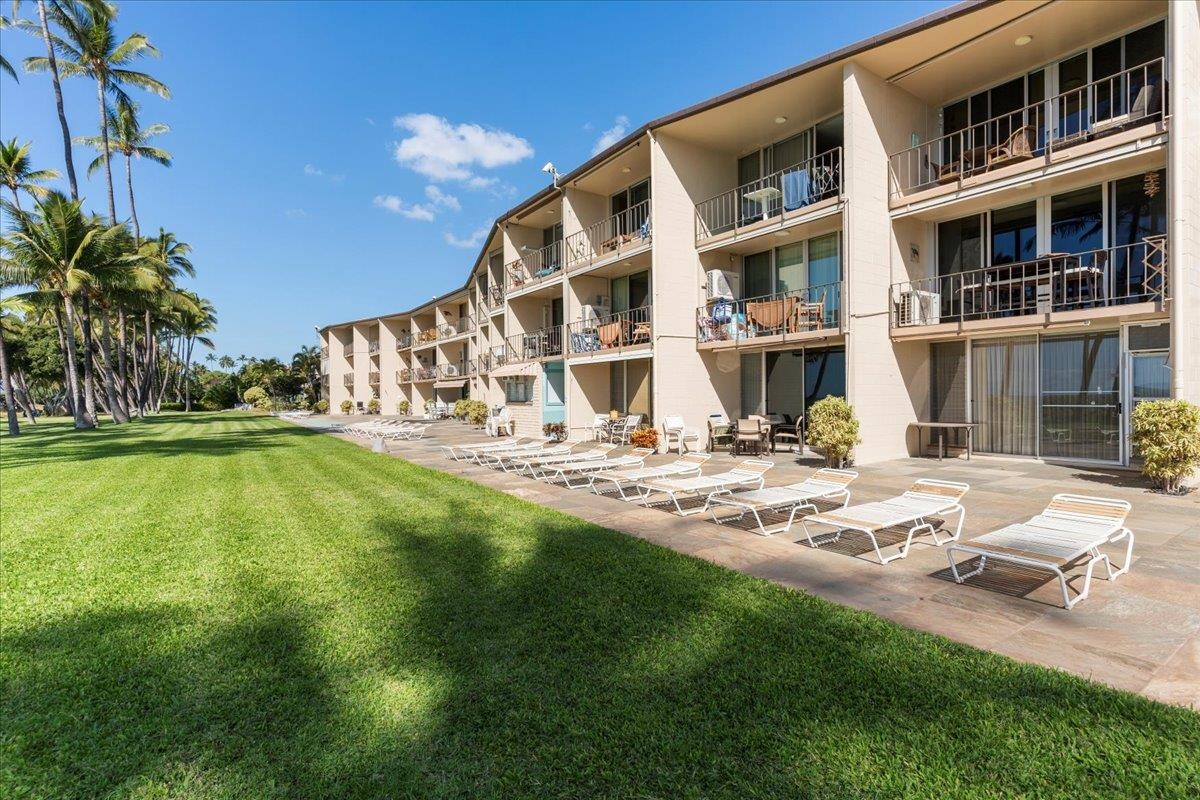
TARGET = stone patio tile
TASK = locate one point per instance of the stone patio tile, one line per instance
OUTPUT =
(1077, 656)
(1178, 680)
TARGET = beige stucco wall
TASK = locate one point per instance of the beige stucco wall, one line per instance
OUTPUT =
(1184, 186)
(879, 119)
(587, 395)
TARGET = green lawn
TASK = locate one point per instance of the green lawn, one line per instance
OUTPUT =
(221, 606)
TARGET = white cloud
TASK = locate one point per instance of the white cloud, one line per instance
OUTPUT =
(441, 199)
(295, 213)
(370, 122)
(443, 151)
(389, 202)
(612, 135)
(477, 182)
(317, 172)
(470, 242)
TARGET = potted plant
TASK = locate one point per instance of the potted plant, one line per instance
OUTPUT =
(373, 405)
(321, 406)
(555, 430)
(833, 429)
(402, 407)
(347, 405)
(1166, 434)
(645, 436)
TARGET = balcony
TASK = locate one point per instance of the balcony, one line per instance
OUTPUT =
(533, 346)
(404, 376)
(1094, 117)
(778, 198)
(324, 351)
(348, 379)
(426, 338)
(457, 328)
(535, 267)
(348, 350)
(404, 341)
(792, 316)
(373, 346)
(495, 297)
(1115, 281)
(373, 378)
(483, 364)
(613, 333)
(610, 238)
(449, 375)
(424, 374)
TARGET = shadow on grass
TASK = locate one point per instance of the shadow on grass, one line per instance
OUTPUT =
(539, 656)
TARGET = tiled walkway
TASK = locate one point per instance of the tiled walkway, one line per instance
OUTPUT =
(1140, 633)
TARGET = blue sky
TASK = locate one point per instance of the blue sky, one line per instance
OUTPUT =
(338, 160)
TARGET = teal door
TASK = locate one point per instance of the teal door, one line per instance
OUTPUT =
(554, 407)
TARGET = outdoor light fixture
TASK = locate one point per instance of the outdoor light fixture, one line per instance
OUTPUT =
(551, 171)
(625, 170)
(1023, 40)
(780, 120)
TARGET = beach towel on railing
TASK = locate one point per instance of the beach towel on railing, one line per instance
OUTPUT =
(797, 189)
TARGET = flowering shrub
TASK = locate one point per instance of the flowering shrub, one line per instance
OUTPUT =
(555, 430)
(373, 405)
(402, 407)
(645, 437)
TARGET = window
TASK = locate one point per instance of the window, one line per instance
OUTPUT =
(960, 245)
(793, 267)
(518, 390)
(789, 381)
(629, 388)
(630, 291)
(1077, 221)
(1014, 233)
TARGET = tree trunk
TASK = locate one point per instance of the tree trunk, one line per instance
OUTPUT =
(187, 378)
(58, 101)
(23, 396)
(115, 405)
(10, 403)
(89, 375)
(112, 203)
(137, 230)
(123, 361)
(70, 388)
(82, 417)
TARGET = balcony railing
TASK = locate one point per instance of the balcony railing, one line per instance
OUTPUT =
(373, 378)
(373, 346)
(324, 351)
(404, 376)
(610, 237)
(348, 350)
(496, 297)
(347, 379)
(544, 343)
(456, 328)
(623, 329)
(1114, 276)
(535, 266)
(324, 365)
(424, 373)
(787, 190)
(404, 341)
(452, 371)
(483, 363)
(814, 308)
(428, 336)
(1125, 100)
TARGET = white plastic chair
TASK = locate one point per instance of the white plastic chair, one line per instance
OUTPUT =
(674, 431)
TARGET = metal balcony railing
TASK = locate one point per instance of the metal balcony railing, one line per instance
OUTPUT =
(324, 366)
(610, 237)
(373, 378)
(428, 336)
(324, 351)
(535, 266)
(424, 373)
(623, 329)
(347, 378)
(814, 308)
(1134, 97)
(1113, 276)
(373, 346)
(456, 328)
(404, 341)
(790, 189)
(348, 350)
(404, 376)
(496, 294)
(483, 363)
(544, 343)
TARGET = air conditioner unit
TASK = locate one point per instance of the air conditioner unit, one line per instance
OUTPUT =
(920, 308)
(722, 283)
(592, 314)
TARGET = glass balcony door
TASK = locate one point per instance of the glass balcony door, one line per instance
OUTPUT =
(1081, 397)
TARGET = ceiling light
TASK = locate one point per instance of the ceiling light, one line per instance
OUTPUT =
(1023, 40)
(625, 170)
(780, 120)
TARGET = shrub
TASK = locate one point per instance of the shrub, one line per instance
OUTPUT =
(171, 407)
(347, 405)
(833, 428)
(218, 396)
(321, 406)
(460, 408)
(402, 407)
(373, 405)
(477, 413)
(254, 395)
(1166, 434)
(644, 437)
(555, 430)
(302, 402)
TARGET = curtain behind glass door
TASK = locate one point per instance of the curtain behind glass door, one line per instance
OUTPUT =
(751, 384)
(1004, 380)
(756, 275)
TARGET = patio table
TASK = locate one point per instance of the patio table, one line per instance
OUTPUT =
(941, 428)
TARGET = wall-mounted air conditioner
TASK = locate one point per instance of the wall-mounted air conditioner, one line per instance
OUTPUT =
(722, 283)
(593, 313)
(919, 308)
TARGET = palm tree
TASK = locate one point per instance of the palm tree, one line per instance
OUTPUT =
(5, 65)
(16, 174)
(169, 258)
(10, 307)
(89, 47)
(50, 64)
(130, 140)
(195, 324)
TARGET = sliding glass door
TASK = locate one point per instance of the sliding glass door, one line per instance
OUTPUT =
(790, 381)
(1081, 396)
(1004, 380)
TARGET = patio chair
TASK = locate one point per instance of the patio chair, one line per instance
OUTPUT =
(748, 435)
(531, 464)
(1145, 105)
(598, 430)
(675, 432)
(927, 498)
(482, 456)
(465, 452)
(720, 434)
(784, 430)
(619, 480)
(1017, 147)
(620, 432)
(577, 474)
(413, 433)
(1069, 533)
(825, 484)
(500, 423)
(748, 473)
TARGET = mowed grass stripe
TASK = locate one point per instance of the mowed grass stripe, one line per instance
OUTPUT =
(289, 615)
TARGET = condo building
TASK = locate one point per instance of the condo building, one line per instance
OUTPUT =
(991, 214)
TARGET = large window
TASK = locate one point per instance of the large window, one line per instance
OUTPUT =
(630, 291)
(1081, 397)
(1014, 233)
(1137, 209)
(793, 267)
(789, 381)
(518, 390)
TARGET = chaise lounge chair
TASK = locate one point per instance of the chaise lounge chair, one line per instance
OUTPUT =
(531, 465)
(467, 452)
(747, 473)
(1073, 527)
(825, 484)
(580, 470)
(926, 498)
(621, 479)
(499, 459)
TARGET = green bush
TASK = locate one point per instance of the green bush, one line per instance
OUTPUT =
(347, 405)
(1166, 434)
(460, 408)
(171, 407)
(373, 405)
(219, 396)
(402, 407)
(321, 406)
(477, 412)
(833, 428)
(254, 395)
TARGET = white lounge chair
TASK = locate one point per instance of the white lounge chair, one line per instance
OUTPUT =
(622, 479)
(926, 498)
(576, 474)
(502, 458)
(1073, 527)
(530, 466)
(412, 433)
(747, 473)
(678, 435)
(467, 452)
(825, 484)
